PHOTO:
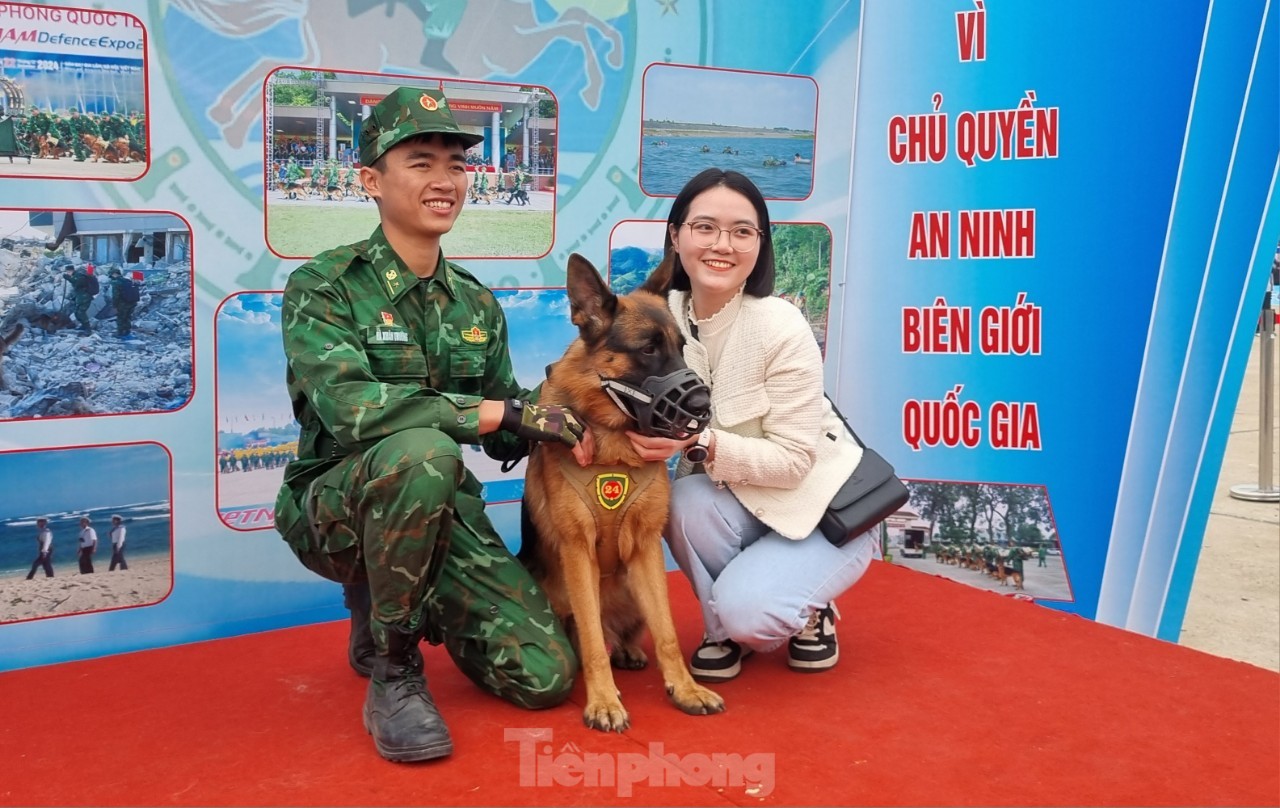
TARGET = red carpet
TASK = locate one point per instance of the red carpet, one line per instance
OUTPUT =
(944, 695)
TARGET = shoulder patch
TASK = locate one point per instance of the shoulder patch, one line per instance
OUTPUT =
(333, 263)
(463, 274)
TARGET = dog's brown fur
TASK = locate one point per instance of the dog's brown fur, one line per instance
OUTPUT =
(119, 151)
(476, 195)
(51, 321)
(608, 582)
(51, 148)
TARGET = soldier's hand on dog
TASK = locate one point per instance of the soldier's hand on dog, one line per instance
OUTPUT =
(541, 422)
(506, 415)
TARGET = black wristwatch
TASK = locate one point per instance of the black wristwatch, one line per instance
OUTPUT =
(698, 451)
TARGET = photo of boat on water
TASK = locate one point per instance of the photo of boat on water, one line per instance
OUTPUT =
(695, 118)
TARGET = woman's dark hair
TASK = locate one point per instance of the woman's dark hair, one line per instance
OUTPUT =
(760, 281)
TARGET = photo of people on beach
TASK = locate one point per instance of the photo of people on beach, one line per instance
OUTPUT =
(84, 529)
(801, 254)
(761, 124)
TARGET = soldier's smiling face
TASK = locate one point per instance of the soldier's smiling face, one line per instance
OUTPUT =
(421, 185)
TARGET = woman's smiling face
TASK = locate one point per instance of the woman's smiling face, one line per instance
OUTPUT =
(718, 271)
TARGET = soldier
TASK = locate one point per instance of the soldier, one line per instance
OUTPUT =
(397, 356)
(44, 550)
(107, 127)
(518, 191)
(38, 126)
(315, 184)
(124, 296)
(78, 125)
(84, 288)
(350, 187)
(63, 130)
(293, 174)
(330, 177)
(137, 130)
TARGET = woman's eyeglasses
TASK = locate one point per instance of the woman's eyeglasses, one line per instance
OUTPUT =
(742, 237)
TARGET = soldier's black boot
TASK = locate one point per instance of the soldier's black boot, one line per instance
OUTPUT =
(360, 649)
(398, 710)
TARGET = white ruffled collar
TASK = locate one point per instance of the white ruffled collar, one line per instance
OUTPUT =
(720, 320)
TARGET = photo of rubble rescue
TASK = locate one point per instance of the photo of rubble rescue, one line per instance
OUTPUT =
(95, 313)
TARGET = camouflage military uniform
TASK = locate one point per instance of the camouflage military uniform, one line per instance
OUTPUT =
(82, 295)
(293, 173)
(81, 125)
(386, 373)
(137, 132)
(65, 133)
(124, 308)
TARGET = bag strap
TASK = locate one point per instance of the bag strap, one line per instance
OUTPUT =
(845, 421)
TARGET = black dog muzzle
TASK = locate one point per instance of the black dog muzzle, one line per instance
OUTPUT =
(673, 406)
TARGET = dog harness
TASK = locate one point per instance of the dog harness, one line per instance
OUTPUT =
(609, 491)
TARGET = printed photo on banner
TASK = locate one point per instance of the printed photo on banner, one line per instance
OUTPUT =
(801, 252)
(997, 537)
(257, 433)
(539, 329)
(73, 93)
(760, 124)
(95, 313)
(84, 529)
(314, 198)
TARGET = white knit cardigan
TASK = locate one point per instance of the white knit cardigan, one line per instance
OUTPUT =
(780, 448)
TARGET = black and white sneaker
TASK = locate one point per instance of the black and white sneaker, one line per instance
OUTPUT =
(814, 649)
(717, 660)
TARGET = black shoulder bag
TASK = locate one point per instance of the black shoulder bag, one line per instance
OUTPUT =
(870, 495)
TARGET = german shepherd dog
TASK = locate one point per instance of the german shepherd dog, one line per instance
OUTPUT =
(476, 195)
(592, 537)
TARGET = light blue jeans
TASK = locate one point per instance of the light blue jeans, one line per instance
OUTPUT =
(755, 587)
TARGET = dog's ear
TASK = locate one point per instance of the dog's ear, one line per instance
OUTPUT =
(659, 281)
(591, 303)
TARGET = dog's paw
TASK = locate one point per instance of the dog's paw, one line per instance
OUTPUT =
(695, 699)
(606, 715)
(628, 658)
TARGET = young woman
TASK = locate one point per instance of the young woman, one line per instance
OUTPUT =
(751, 488)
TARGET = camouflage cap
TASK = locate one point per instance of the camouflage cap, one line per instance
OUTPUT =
(408, 111)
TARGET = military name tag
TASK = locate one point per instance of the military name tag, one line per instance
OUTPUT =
(388, 335)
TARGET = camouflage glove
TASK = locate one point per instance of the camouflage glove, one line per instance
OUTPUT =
(541, 422)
